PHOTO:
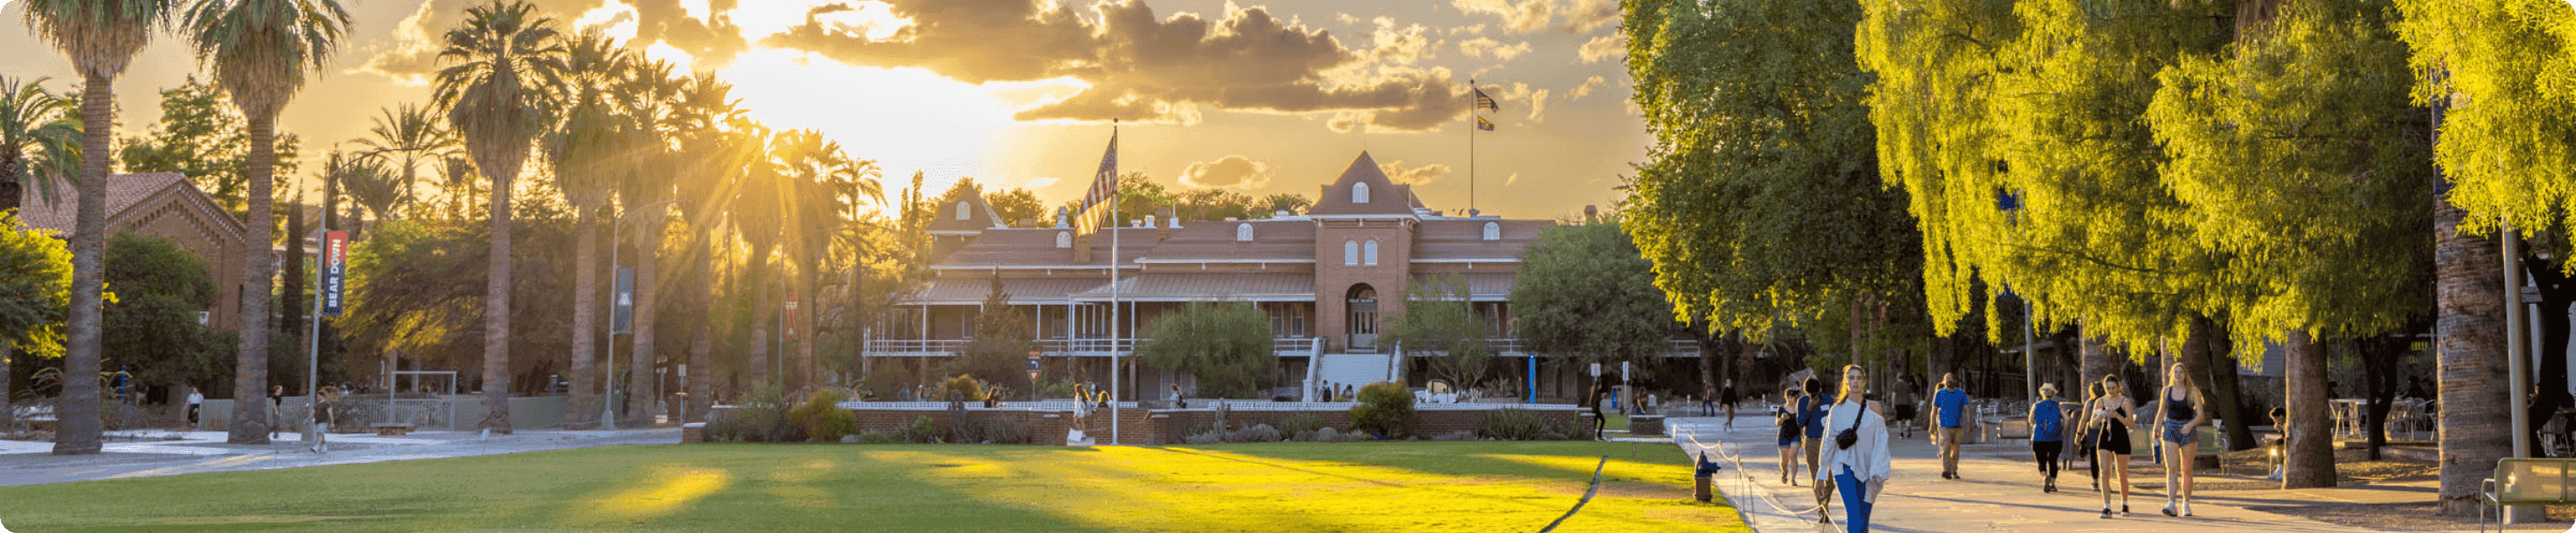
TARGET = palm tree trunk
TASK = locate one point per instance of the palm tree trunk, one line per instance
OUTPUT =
(802, 323)
(648, 268)
(584, 407)
(2222, 376)
(702, 384)
(496, 304)
(2470, 332)
(760, 306)
(8, 349)
(78, 424)
(250, 424)
(2308, 457)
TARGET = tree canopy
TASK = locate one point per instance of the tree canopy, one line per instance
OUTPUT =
(1584, 290)
(1440, 326)
(152, 326)
(1225, 344)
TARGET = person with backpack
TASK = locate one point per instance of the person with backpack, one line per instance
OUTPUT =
(2045, 440)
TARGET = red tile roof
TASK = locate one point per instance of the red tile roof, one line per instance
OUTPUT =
(123, 191)
(1385, 198)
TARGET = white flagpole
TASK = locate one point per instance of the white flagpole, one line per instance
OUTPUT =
(1114, 337)
(1475, 111)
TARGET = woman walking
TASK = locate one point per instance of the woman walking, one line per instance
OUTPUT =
(1727, 398)
(2113, 415)
(1812, 417)
(1790, 429)
(2045, 442)
(1857, 460)
(2180, 404)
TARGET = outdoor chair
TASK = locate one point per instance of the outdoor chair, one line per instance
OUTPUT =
(2526, 482)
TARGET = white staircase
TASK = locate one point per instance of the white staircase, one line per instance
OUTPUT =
(1356, 369)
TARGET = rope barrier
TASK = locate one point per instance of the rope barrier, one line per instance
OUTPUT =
(1747, 480)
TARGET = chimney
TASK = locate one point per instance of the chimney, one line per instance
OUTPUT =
(1169, 222)
(1590, 214)
(1060, 218)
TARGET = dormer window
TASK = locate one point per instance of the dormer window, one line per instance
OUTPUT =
(1493, 231)
(965, 212)
(1350, 253)
(1064, 239)
(1359, 193)
(1243, 232)
(1368, 253)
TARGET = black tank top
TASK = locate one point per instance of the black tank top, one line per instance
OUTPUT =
(2177, 409)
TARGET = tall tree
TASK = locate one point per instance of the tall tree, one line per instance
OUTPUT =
(588, 147)
(100, 38)
(644, 190)
(820, 176)
(1586, 290)
(408, 136)
(260, 51)
(1439, 325)
(702, 124)
(160, 288)
(2488, 68)
(31, 120)
(1225, 344)
(509, 71)
(203, 135)
(35, 284)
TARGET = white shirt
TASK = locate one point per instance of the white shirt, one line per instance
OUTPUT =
(194, 398)
(1867, 457)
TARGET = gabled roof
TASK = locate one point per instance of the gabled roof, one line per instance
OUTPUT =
(124, 191)
(979, 216)
(1385, 198)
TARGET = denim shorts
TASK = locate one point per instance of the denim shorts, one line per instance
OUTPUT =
(2174, 434)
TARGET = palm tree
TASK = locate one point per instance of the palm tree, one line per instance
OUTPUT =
(709, 125)
(100, 38)
(588, 147)
(821, 182)
(407, 136)
(511, 66)
(645, 189)
(259, 50)
(30, 119)
(364, 178)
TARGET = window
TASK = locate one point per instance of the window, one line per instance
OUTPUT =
(1493, 231)
(1368, 253)
(1350, 253)
(1359, 193)
(1243, 232)
(1287, 321)
(1064, 239)
(964, 212)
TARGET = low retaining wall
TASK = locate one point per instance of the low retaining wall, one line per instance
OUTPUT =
(526, 412)
(1048, 421)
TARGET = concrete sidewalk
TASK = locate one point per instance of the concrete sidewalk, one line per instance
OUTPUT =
(152, 453)
(1999, 490)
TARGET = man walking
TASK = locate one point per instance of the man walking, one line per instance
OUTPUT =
(1948, 404)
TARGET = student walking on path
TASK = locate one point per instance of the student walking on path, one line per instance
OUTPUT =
(1948, 407)
(1812, 417)
(1727, 398)
(1900, 399)
(2045, 442)
(1857, 461)
(2113, 414)
(2180, 407)
(1788, 415)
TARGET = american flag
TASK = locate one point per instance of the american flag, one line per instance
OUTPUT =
(1104, 186)
(1486, 102)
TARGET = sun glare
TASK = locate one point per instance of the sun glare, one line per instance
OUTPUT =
(623, 30)
(906, 119)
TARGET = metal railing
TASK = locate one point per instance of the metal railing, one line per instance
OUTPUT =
(1291, 346)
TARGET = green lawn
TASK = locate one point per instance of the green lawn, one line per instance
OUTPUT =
(1287, 487)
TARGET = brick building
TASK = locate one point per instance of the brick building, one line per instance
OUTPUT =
(168, 206)
(1329, 279)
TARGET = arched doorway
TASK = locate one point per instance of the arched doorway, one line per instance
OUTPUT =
(1361, 306)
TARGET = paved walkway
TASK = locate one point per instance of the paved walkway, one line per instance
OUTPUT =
(1999, 491)
(153, 453)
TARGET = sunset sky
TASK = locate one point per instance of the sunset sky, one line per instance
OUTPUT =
(1260, 98)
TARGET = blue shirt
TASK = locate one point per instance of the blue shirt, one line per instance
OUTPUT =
(1811, 415)
(1951, 402)
(2044, 421)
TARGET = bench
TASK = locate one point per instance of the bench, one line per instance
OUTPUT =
(2526, 482)
(390, 429)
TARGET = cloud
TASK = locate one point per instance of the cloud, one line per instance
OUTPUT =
(712, 41)
(1516, 178)
(1482, 47)
(1587, 15)
(1527, 16)
(1401, 46)
(1041, 183)
(1604, 47)
(1140, 67)
(1395, 172)
(1589, 84)
(1471, 29)
(1537, 104)
(1233, 171)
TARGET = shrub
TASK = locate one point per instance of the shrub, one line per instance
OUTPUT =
(1513, 424)
(1456, 436)
(1301, 423)
(1194, 429)
(878, 438)
(762, 417)
(1328, 435)
(966, 385)
(1006, 432)
(1385, 409)
(1302, 436)
(922, 431)
(1202, 439)
(1256, 433)
(822, 418)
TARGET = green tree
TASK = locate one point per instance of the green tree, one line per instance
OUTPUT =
(1440, 327)
(508, 70)
(406, 137)
(1016, 205)
(2491, 69)
(1225, 344)
(32, 123)
(998, 351)
(100, 39)
(153, 327)
(259, 51)
(35, 280)
(703, 124)
(1759, 202)
(1586, 291)
(590, 144)
(644, 191)
(203, 135)
(1292, 203)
